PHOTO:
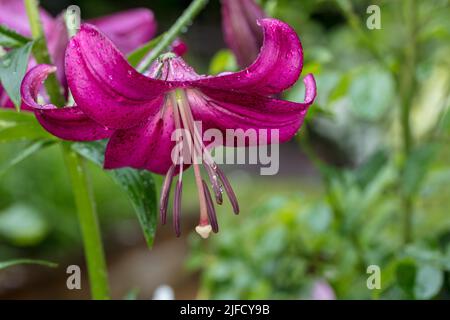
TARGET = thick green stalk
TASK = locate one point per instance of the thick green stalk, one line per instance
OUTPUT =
(407, 86)
(84, 199)
(180, 26)
(40, 52)
(80, 183)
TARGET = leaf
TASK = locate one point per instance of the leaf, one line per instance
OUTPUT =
(367, 172)
(138, 184)
(11, 39)
(13, 66)
(416, 168)
(16, 126)
(137, 55)
(406, 274)
(341, 89)
(11, 263)
(23, 154)
(429, 281)
(371, 93)
(224, 60)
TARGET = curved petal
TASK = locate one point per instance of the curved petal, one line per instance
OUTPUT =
(221, 110)
(277, 67)
(68, 123)
(128, 29)
(105, 86)
(145, 147)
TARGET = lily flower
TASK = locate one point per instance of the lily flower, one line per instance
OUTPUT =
(242, 34)
(140, 112)
(128, 30)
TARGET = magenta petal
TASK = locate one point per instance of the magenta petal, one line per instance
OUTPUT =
(105, 86)
(277, 67)
(128, 29)
(145, 147)
(68, 123)
(223, 110)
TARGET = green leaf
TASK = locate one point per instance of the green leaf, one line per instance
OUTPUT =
(371, 93)
(13, 66)
(406, 275)
(341, 89)
(416, 168)
(224, 60)
(23, 154)
(367, 172)
(16, 126)
(137, 55)
(429, 281)
(11, 263)
(11, 39)
(138, 184)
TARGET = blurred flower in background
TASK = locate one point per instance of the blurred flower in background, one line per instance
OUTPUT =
(240, 27)
(128, 30)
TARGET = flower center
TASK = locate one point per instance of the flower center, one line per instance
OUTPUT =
(190, 149)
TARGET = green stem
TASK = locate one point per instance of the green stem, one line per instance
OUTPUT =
(83, 195)
(407, 86)
(180, 25)
(40, 52)
(98, 277)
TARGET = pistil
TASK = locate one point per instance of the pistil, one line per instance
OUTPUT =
(183, 105)
(189, 139)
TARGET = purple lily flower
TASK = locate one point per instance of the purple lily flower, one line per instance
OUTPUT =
(140, 112)
(128, 30)
(242, 34)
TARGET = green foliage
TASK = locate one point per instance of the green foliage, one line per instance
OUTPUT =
(13, 66)
(11, 39)
(137, 184)
(23, 126)
(22, 226)
(223, 60)
(282, 246)
(137, 55)
(12, 263)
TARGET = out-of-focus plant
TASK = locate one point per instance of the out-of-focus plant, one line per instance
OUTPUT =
(383, 111)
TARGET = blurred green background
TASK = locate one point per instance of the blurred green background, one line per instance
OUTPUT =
(346, 197)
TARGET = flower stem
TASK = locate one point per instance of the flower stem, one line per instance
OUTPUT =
(179, 26)
(87, 217)
(407, 86)
(83, 196)
(40, 52)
